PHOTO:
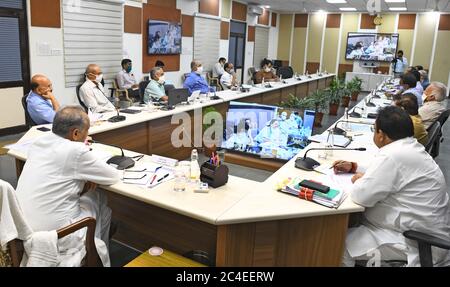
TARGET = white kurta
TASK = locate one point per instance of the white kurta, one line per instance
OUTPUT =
(94, 97)
(403, 189)
(52, 179)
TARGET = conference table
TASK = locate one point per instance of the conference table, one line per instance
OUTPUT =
(244, 223)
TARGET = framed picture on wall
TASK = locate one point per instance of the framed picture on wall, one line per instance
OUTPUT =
(164, 38)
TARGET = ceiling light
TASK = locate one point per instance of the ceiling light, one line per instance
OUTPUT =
(337, 1)
(267, 7)
(394, 1)
(398, 8)
(347, 9)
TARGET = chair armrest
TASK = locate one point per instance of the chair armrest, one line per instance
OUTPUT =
(427, 239)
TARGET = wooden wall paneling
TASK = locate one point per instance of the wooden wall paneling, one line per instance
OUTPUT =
(329, 80)
(322, 83)
(312, 87)
(367, 21)
(444, 22)
(333, 20)
(164, 3)
(287, 92)
(134, 137)
(224, 30)
(239, 11)
(251, 33)
(252, 99)
(407, 21)
(235, 245)
(162, 12)
(142, 225)
(264, 18)
(301, 91)
(187, 28)
(312, 67)
(272, 98)
(301, 21)
(45, 13)
(344, 68)
(210, 7)
(132, 20)
(274, 19)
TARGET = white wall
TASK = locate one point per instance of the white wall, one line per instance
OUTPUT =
(223, 48)
(132, 49)
(11, 112)
(273, 40)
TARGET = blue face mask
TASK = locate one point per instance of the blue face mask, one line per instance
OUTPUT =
(128, 69)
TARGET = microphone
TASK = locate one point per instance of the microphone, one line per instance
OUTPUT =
(117, 118)
(354, 114)
(339, 131)
(370, 104)
(308, 164)
(121, 161)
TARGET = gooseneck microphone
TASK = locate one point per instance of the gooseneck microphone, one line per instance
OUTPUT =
(354, 114)
(121, 161)
(308, 164)
(117, 118)
(339, 131)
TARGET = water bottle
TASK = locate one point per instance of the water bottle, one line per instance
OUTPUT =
(330, 144)
(195, 168)
(262, 83)
(345, 124)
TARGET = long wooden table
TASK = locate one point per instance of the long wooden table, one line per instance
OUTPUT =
(244, 223)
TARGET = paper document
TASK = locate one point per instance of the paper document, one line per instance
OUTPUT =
(337, 140)
(22, 146)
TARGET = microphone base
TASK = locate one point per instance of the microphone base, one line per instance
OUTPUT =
(117, 119)
(371, 105)
(339, 131)
(122, 162)
(307, 164)
(355, 115)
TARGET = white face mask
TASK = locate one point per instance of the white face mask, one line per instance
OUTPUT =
(199, 70)
(99, 78)
(162, 79)
(424, 97)
(267, 69)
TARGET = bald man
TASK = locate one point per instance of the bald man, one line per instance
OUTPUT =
(92, 93)
(41, 103)
(194, 81)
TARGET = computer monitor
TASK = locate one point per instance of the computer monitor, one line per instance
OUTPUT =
(177, 96)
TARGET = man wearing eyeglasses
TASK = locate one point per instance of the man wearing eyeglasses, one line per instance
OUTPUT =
(92, 92)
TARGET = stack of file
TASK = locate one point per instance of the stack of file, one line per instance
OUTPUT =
(332, 199)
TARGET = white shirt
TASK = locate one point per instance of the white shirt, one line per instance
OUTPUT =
(403, 189)
(400, 65)
(126, 80)
(430, 112)
(226, 80)
(52, 179)
(218, 70)
(94, 97)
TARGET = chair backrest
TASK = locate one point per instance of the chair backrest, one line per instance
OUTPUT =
(79, 98)
(142, 86)
(433, 136)
(443, 117)
(285, 72)
(28, 120)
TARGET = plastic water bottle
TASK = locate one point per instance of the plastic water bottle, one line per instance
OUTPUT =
(195, 168)
(262, 83)
(345, 124)
(330, 144)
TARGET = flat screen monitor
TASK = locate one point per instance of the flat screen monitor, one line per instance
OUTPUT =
(164, 38)
(371, 47)
(267, 131)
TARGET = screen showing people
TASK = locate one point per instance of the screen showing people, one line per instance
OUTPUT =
(371, 47)
(164, 38)
(267, 131)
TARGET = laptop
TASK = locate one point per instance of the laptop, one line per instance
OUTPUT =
(177, 96)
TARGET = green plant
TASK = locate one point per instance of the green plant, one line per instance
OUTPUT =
(319, 100)
(354, 85)
(295, 103)
(335, 92)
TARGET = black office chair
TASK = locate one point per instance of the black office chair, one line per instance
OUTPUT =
(433, 137)
(425, 242)
(142, 86)
(442, 120)
(285, 72)
(28, 120)
(79, 98)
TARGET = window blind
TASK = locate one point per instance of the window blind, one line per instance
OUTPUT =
(206, 41)
(10, 58)
(14, 4)
(92, 35)
(261, 45)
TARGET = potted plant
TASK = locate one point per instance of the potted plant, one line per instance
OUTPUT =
(298, 104)
(334, 95)
(355, 86)
(346, 93)
(319, 101)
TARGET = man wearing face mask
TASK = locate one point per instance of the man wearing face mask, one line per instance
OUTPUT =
(228, 79)
(41, 103)
(434, 103)
(126, 79)
(57, 184)
(92, 92)
(194, 81)
(402, 189)
(155, 88)
(265, 73)
(219, 68)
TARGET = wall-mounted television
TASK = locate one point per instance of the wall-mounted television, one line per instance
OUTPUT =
(371, 47)
(164, 38)
(267, 131)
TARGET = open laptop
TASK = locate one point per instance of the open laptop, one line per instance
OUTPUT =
(177, 96)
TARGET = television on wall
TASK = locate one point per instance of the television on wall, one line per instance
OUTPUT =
(164, 38)
(371, 47)
(267, 131)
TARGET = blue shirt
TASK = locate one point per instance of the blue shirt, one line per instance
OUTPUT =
(40, 110)
(416, 93)
(195, 82)
(400, 66)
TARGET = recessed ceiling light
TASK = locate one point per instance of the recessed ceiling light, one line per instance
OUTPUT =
(394, 1)
(398, 8)
(347, 9)
(267, 7)
(337, 1)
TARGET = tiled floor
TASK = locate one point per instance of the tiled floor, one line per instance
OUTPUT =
(121, 255)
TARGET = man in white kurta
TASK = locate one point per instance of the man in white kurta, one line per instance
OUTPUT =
(58, 166)
(92, 92)
(403, 189)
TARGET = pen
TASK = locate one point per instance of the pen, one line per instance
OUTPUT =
(166, 175)
(153, 179)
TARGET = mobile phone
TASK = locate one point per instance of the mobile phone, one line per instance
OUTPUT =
(43, 129)
(315, 186)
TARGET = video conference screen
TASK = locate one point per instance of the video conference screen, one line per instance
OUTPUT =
(371, 47)
(267, 131)
(164, 38)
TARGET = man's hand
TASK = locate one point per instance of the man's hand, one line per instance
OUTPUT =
(342, 166)
(48, 95)
(357, 176)
(88, 186)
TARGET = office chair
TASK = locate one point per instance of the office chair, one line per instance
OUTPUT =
(433, 137)
(122, 94)
(28, 120)
(79, 98)
(142, 86)
(425, 242)
(285, 72)
(442, 120)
